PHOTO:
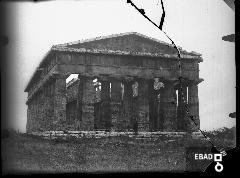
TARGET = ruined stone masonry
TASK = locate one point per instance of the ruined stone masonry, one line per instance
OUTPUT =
(126, 82)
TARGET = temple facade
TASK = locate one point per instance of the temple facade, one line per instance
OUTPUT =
(126, 82)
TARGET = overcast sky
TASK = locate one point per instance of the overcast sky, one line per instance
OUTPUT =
(194, 25)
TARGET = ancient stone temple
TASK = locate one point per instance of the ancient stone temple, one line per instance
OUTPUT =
(125, 82)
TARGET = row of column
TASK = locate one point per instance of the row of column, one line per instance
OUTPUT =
(138, 113)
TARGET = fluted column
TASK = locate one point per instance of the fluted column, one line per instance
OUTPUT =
(127, 104)
(79, 102)
(160, 108)
(115, 103)
(193, 103)
(152, 94)
(48, 106)
(143, 105)
(29, 120)
(181, 110)
(135, 106)
(60, 102)
(34, 117)
(169, 102)
(88, 93)
(105, 103)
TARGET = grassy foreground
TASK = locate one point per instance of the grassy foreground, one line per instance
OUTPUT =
(22, 152)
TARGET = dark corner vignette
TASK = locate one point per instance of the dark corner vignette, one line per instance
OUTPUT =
(4, 40)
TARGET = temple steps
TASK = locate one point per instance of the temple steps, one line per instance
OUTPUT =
(104, 134)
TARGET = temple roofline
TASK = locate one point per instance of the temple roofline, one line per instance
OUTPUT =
(118, 52)
(64, 48)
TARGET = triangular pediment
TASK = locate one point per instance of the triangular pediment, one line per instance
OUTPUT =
(133, 42)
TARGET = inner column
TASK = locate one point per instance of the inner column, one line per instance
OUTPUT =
(169, 107)
(105, 103)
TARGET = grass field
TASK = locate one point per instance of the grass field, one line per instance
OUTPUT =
(22, 152)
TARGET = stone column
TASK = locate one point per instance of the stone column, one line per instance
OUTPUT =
(38, 111)
(175, 108)
(105, 103)
(168, 102)
(37, 123)
(143, 105)
(152, 106)
(29, 119)
(50, 103)
(127, 104)
(45, 107)
(42, 110)
(135, 106)
(88, 93)
(33, 115)
(193, 104)
(79, 102)
(181, 110)
(115, 103)
(60, 102)
(160, 110)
